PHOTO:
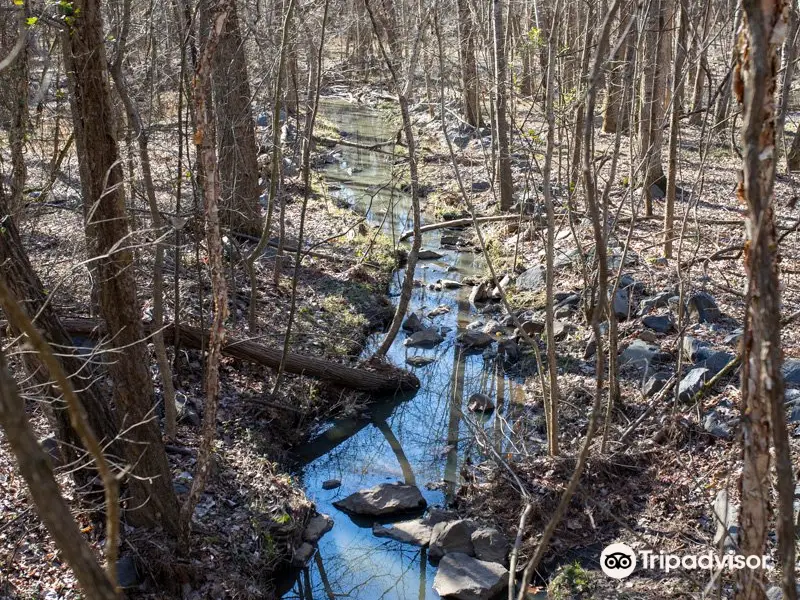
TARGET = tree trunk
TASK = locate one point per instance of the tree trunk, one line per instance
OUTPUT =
(34, 464)
(383, 381)
(755, 82)
(15, 98)
(677, 96)
(500, 94)
(152, 498)
(235, 131)
(469, 67)
(27, 290)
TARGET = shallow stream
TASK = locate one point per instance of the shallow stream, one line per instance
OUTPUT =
(423, 439)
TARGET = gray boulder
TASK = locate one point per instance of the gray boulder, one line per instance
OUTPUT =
(621, 303)
(452, 536)
(475, 339)
(420, 361)
(661, 324)
(691, 384)
(302, 554)
(480, 186)
(791, 371)
(331, 484)
(479, 293)
(703, 307)
(490, 545)
(655, 384)
(428, 255)
(480, 403)
(533, 279)
(427, 338)
(465, 578)
(318, 526)
(716, 362)
(383, 499)
(127, 574)
(641, 354)
(695, 349)
(408, 532)
(437, 515)
(413, 323)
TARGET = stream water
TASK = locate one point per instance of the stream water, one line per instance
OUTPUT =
(423, 439)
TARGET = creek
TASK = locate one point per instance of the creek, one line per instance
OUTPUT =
(425, 439)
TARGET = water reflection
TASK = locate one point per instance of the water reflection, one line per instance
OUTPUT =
(424, 439)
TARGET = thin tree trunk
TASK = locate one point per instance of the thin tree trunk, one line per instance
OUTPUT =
(212, 188)
(506, 183)
(762, 382)
(677, 96)
(469, 67)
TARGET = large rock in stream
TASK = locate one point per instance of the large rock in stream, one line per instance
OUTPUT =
(465, 578)
(414, 532)
(383, 499)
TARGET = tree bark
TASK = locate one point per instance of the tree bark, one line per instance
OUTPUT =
(754, 83)
(235, 131)
(677, 96)
(506, 183)
(470, 85)
(383, 381)
(152, 497)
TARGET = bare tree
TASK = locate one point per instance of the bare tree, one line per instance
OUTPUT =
(755, 83)
(504, 179)
(152, 499)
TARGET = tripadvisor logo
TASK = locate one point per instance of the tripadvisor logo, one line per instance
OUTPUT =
(619, 561)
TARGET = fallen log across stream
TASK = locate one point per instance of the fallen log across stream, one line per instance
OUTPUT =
(385, 379)
(463, 222)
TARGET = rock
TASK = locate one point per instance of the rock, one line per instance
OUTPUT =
(561, 329)
(429, 255)
(50, 445)
(504, 283)
(127, 575)
(726, 517)
(620, 303)
(564, 312)
(461, 141)
(714, 425)
(533, 327)
(661, 324)
(791, 371)
(794, 415)
(691, 384)
(479, 293)
(658, 301)
(695, 349)
(413, 323)
(437, 515)
(532, 280)
(442, 309)
(187, 415)
(450, 284)
(490, 545)
(716, 362)
(641, 354)
(302, 555)
(464, 578)
(452, 536)
(420, 361)
(733, 338)
(384, 499)
(508, 350)
(590, 350)
(791, 396)
(427, 338)
(655, 384)
(331, 484)
(475, 339)
(493, 327)
(567, 299)
(627, 282)
(648, 336)
(409, 532)
(318, 526)
(475, 325)
(480, 403)
(480, 186)
(703, 307)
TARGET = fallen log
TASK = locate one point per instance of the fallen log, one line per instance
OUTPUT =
(465, 222)
(377, 147)
(385, 379)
